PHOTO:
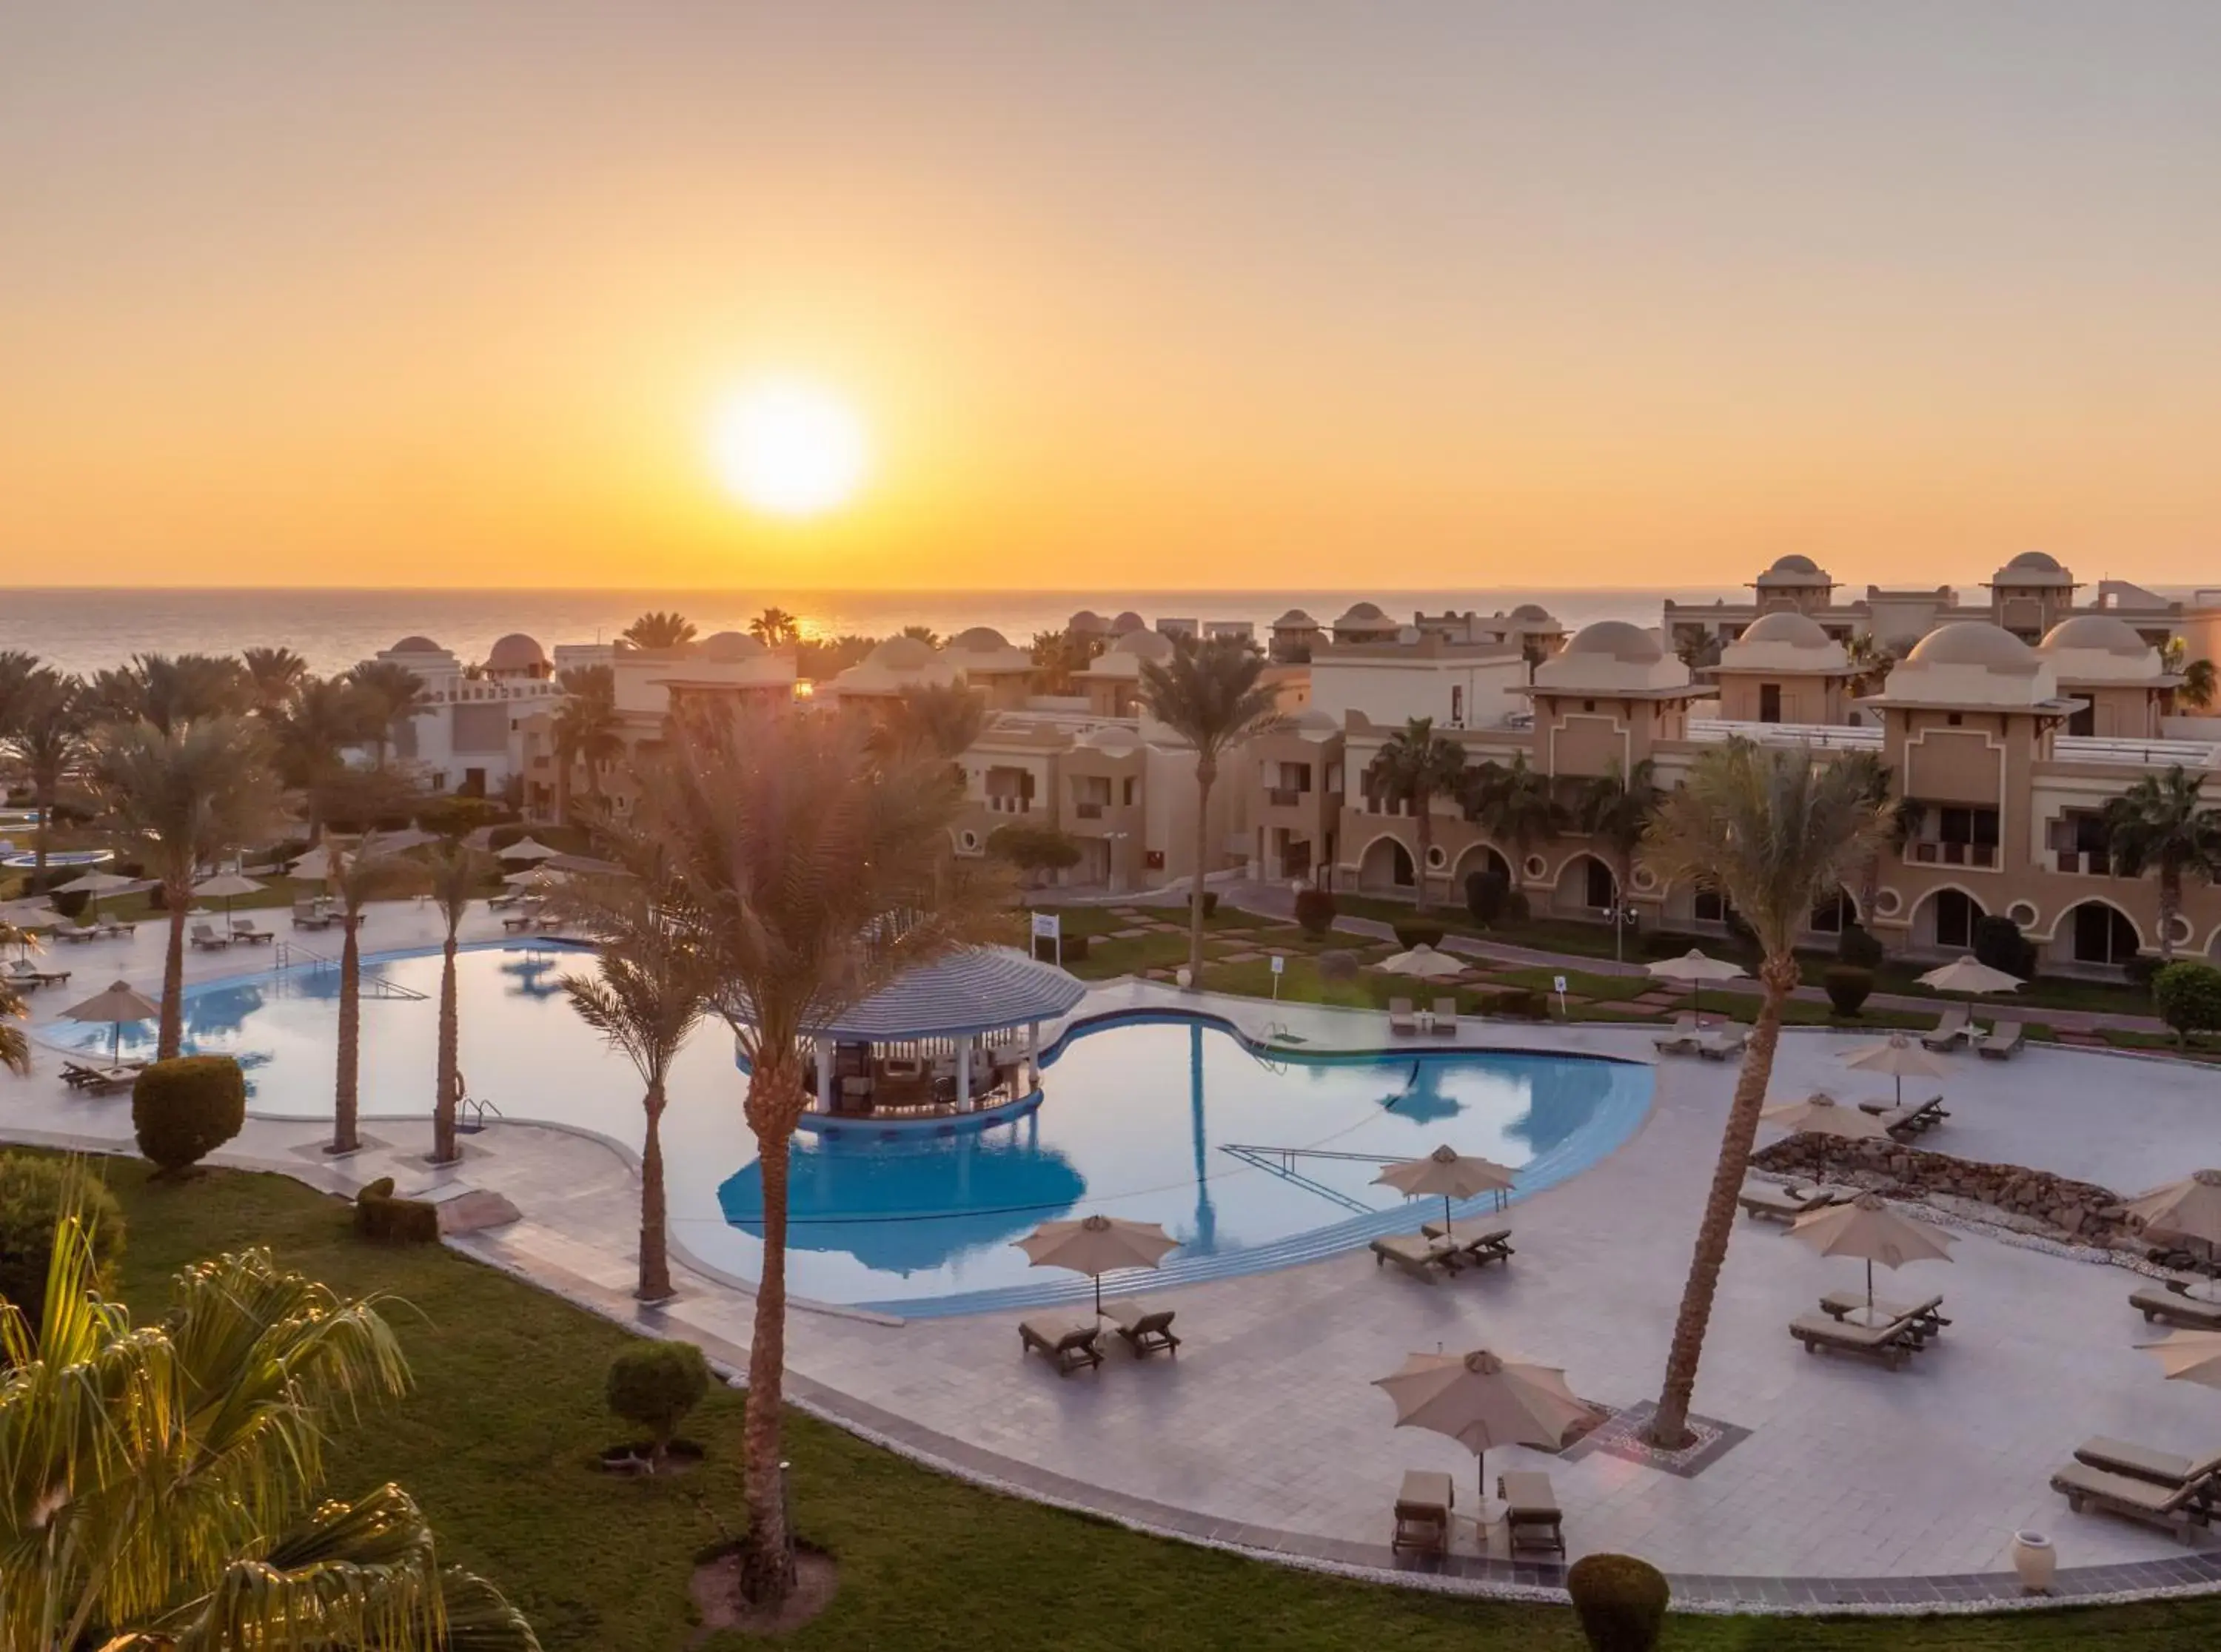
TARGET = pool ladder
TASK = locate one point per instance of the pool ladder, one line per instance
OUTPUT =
(286, 954)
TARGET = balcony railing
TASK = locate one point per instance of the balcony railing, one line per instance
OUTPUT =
(1284, 797)
(1929, 852)
(2089, 863)
(1089, 811)
(1009, 804)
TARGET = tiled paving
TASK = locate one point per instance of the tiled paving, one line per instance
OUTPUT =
(1851, 1487)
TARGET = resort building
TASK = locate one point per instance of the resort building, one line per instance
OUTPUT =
(465, 737)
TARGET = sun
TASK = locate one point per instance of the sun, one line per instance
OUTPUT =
(790, 447)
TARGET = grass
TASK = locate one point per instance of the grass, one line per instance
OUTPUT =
(508, 1409)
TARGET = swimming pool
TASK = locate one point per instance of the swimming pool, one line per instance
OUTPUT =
(27, 857)
(1163, 1120)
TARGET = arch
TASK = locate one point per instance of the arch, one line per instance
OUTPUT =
(1831, 911)
(1939, 922)
(2094, 934)
(1480, 857)
(1584, 884)
(1386, 865)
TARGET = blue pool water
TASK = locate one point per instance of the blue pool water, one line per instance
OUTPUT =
(1170, 1121)
(56, 856)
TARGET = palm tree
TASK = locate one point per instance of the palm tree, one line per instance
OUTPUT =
(925, 634)
(273, 674)
(586, 731)
(191, 792)
(17, 667)
(1414, 765)
(945, 718)
(47, 737)
(1059, 654)
(1210, 695)
(317, 722)
(2163, 823)
(454, 872)
(1516, 806)
(1872, 777)
(2197, 687)
(804, 866)
(392, 695)
(1614, 810)
(773, 626)
(169, 690)
(1773, 832)
(15, 1046)
(657, 632)
(369, 873)
(650, 989)
(1870, 661)
(162, 1484)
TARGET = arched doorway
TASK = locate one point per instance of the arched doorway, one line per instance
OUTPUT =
(1480, 857)
(1946, 920)
(1386, 866)
(1585, 885)
(2095, 934)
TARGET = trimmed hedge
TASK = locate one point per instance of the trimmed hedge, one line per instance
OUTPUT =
(2188, 994)
(1522, 1003)
(1075, 949)
(380, 1216)
(1848, 988)
(1316, 912)
(1486, 894)
(185, 1108)
(1410, 933)
(654, 1384)
(1620, 1600)
(1210, 903)
(2000, 944)
(34, 1192)
(1858, 947)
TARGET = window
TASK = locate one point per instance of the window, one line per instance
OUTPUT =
(1457, 705)
(1954, 718)
(1955, 918)
(1710, 906)
(1600, 891)
(2102, 935)
(1126, 791)
(1769, 702)
(1588, 705)
(2084, 721)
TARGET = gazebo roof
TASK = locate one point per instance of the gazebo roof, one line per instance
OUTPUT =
(975, 990)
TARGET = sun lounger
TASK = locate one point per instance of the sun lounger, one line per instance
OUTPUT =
(2178, 1508)
(1068, 1344)
(1906, 1122)
(1402, 1018)
(2143, 1462)
(503, 902)
(1950, 1027)
(243, 929)
(99, 1081)
(307, 914)
(112, 926)
(29, 977)
(1786, 1203)
(515, 921)
(1892, 1343)
(1415, 1254)
(68, 931)
(1926, 1318)
(1682, 1040)
(1445, 1015)
(1532, 1518)
(1723, 1042)
(2170, 1306)
(207, 939)
(1147, 1331)
(1479, 1249)
(1423, 1513)
(2004, 1041)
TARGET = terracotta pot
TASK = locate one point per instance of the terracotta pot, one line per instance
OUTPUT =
(2036, 1559)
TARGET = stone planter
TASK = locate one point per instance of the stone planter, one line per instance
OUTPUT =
(2036, 1559)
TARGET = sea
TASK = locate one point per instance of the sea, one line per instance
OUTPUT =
(90, 629)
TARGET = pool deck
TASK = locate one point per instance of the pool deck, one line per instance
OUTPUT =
(1841, 1485)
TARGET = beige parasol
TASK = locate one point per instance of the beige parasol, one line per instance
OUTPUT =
(2189, 1356)
(1967, 973)
(1481, 1400)
(119, 1003)
(1899, 1056)
(1096, 1245)
(528, 849)
(1821, 1114)
(1424, 962)
(1696, 968)
(1447, 1172)
(1868, 1229)
(226, 887)
(2189, 1209)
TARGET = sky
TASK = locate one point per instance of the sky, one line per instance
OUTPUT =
(1251, 293)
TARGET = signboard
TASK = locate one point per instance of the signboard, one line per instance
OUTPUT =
(1280, 969)
(1049, 926)
(1558, 985)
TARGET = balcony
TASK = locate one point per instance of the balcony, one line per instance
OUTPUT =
(2088, 863)
(1928, 852)
(1284, 797)
(1089, 811)
(1010, 803)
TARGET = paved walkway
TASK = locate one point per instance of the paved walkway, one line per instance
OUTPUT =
(1853, 1486)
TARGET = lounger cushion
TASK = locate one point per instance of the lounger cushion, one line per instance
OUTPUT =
(1527, 1494)
(2159, 1303)
(2110, 1456)
(2079, 1479)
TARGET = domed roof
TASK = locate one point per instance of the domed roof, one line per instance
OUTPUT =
(1534, 611)
(1794, 563)
(1146, 644)
(1315, 718)
(1127, 621)
(1293, 619)
(517, 652)
(1363, 614)
(901, 654)
(1086, 619)
(2098, 633)
(1970, 642)
(724, 647)
(2036, 561)
(416, 645)
(1619, 639)
(1786, 626)
(979, 640)
(1111, 737)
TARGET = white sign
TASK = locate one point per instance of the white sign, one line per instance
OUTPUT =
(1557, 983)
(1279, 964)
(1049, 926)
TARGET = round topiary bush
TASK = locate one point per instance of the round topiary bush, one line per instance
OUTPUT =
(1848, 986)
(653, 1385)
(2000, 944)
(1857, 947)
(1620, 1600)
(1337, 969)
(33, 1194)
(1485, 894)
(185, 1108)
(1417, 932)
(2188, 994)
(1315, 911)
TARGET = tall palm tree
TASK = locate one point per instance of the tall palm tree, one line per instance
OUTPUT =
(369, 872)
(1872, 777)
(452, 874)
(392, 695)
(1211, 695)
(2163, 824)
(1059, 654)
(1517, 807)
(161, 1485)
(190, 793)
(272, 675)
(945, 718)
(1614, 810)
(1773, 832)
(317, 722)
(586, 731)
(649, 990)
(1870, 661)
(773, 626)
(17, 667)
(15, 1046)
(1415, 764)
(804, 867)
(2199, 688)
(47, 737)
(657, 631)
(168, 690)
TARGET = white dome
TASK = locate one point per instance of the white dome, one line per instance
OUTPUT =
(416, 645)
(2036, 561)
(1127, 621)
(1112, 738)
(901, 654)
(979, 640)
(1294, 619)
(1147, 645)
(2097, 632)
(724, 647)
(1534, 613)
(1794, 563)
(1788, 627)
(1363, 614)
(1970, 642)
(1619, 639)
(1087, 621)
(517, 652)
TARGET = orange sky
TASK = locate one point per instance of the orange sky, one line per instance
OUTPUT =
(1306, 294)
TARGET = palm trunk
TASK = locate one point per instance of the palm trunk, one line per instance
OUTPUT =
(345, 1139)
(177, 896)
(444, 1148)
(562, 788)
(1423, 831)
(775, 1098)
(1669, 1428)
(1206, 775)
(45, 798)
(654, 1247)
(2170, 903)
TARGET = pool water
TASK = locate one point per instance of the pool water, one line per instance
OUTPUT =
(1176, 1121)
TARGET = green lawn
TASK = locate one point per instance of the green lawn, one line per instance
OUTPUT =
(508, 1409)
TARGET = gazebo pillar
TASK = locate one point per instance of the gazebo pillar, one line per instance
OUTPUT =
(824, 1048)
(964, 1073)
(1033, 1055)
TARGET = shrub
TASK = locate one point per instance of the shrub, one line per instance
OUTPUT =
(1210, 903)
(379, 1215)
(2000, 944)
(34, 1192)
(1516, 909)
(72, 905)
(185, 1108)
(1315, 911)
(653, 1385)
(1857, 947)
(1034, 849)
(1848, 986)
(1485, 893)
(2143, 969)
(1620, 1600)
(1522, 1003)
(457, 815)
(2188, 994)
(1337, 969)
(1410, 933)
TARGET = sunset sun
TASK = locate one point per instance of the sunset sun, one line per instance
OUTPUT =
(790, 447)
